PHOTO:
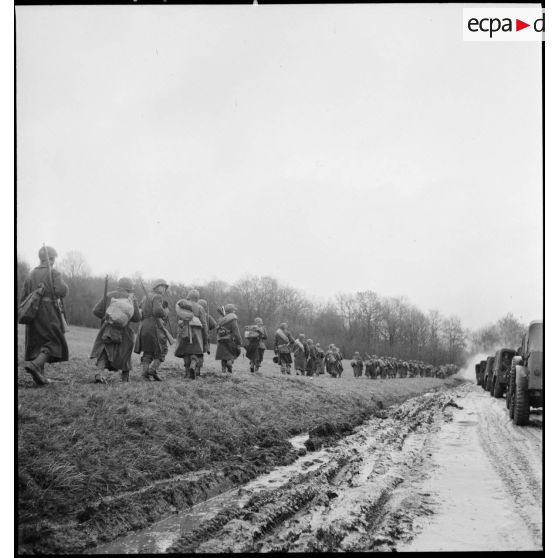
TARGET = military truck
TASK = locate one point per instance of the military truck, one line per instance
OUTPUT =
(525, 383)
(487, 376)
(479, 372)
(500, 371)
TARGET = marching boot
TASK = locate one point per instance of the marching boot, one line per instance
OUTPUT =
(36, 367)
(223, 366)
(153, 370)
(193, 372)
(229, 366)
(125, 375)
(145, 371)
(251, 368)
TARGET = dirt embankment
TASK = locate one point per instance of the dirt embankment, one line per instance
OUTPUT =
(96, 462)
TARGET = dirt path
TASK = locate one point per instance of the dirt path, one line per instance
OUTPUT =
(443, 471)
(486, 482)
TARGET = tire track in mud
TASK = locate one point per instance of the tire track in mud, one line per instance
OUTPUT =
(340, 500)
(515, 453)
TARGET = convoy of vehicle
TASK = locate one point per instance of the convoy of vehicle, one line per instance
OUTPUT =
(517, 374)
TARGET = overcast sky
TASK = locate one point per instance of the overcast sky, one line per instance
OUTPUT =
(337, 148)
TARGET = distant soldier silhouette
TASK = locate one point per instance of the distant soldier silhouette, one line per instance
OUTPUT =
(44, 338)
(357, 365)
(311, 362)
(282, 348)
(255, 344)
(320, 359)
(192, 332)
(229, 338)
(300, 354)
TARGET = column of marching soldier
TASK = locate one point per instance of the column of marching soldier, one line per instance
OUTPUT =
(112, 350)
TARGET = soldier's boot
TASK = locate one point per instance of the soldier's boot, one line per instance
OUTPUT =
(199, 365)
(229, 366)
(289, 369)
(283, 369)
(252, 367)
(153, 370)
(125, 375)
(257, 367)
(223, 366)
(192, 369)
(36, 367)
(145, 371)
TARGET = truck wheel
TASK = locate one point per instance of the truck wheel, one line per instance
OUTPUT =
(521, 402)
(511, 394)
(498, 389)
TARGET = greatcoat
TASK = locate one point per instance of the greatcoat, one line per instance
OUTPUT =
(46, 332)
(229, 339)
(198, 342)
(151, 337)
(119, 353)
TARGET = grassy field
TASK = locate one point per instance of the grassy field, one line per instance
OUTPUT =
(95, 461)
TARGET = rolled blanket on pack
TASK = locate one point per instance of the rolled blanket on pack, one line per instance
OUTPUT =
(120, 311)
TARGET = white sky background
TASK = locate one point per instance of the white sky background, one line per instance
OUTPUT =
(337, 148)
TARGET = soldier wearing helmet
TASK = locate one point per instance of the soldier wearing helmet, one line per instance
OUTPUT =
(115, 341)
(255, 343)
(357, 365)
(192, 332)
(282, 348)
(44, 338)
(151, 339)
(229, 338)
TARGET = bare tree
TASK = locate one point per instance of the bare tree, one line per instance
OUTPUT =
(74, 265)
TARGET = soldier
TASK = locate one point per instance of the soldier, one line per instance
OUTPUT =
(311, 361)
(320, 359)
(151, 339)
(192, 332)
(339, 357)
(211, 326)
(282, 348)
(114, 343)
(229, 339)
(369, 367)
(357, 365)
(254, 343)
(300, 354)
(44, 338)
(331, 361)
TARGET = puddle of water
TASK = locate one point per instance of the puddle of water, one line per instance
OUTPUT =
(161, 535)
(298, 441)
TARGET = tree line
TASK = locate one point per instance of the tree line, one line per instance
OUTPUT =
(364, 321)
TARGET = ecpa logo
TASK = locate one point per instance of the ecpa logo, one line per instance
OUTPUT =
(503, 24)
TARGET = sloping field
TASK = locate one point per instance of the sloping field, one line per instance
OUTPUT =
(96, 461)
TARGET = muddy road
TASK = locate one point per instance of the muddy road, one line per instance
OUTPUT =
(442, 471)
